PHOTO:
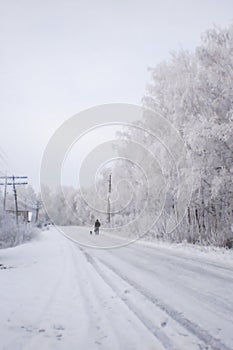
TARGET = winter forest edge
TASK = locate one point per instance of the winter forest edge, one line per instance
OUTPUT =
(194, 92)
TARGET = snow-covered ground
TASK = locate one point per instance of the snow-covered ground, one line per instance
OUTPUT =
(56, 294)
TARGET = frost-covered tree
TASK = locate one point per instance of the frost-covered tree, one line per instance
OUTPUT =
(194, 92)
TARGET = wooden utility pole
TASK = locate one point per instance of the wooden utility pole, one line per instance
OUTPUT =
(5, 192)
(10, 181)
(109, 204)
(16, 202)
(38, 207)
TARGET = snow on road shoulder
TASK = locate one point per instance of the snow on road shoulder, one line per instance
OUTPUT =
(57, 295)
(220, 256)
(37, 295)
(52, 298)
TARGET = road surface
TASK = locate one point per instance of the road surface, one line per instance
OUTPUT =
(56, 294)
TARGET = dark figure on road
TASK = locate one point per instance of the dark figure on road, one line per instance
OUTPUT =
(97, 227)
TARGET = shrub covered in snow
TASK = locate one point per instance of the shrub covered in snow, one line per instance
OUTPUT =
(12, 235)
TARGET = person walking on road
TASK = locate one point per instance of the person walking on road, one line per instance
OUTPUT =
(97, 227)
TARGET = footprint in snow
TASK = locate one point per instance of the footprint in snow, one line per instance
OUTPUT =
(29, 329)
(41, 330)
(59, 336)
(97, 342)
(163, 324)
(2, 267)
(58, 327)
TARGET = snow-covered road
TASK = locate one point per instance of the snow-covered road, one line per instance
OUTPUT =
(55, 294)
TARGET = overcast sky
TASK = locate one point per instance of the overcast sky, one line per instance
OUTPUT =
(59, 57)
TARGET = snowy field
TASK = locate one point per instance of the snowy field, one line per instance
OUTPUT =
(56, 294)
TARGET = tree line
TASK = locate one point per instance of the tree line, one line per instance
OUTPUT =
(194, 93)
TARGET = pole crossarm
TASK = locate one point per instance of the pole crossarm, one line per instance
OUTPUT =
(13, 177)
(13, 183)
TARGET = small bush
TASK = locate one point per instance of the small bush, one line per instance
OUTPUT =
(12, 235)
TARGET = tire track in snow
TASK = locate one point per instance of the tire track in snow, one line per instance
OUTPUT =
(223, 305)
(190, 263)
(190, 326)
(152, 328)
(126, 319)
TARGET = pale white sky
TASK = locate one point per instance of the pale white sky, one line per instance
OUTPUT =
(61, 56)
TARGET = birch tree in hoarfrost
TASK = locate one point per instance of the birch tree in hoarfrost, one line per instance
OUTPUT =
(195, 93)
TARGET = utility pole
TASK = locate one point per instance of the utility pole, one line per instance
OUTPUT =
(5, 192)
(10, 181)
(16, 202)
(109, 193)
(38, 207)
